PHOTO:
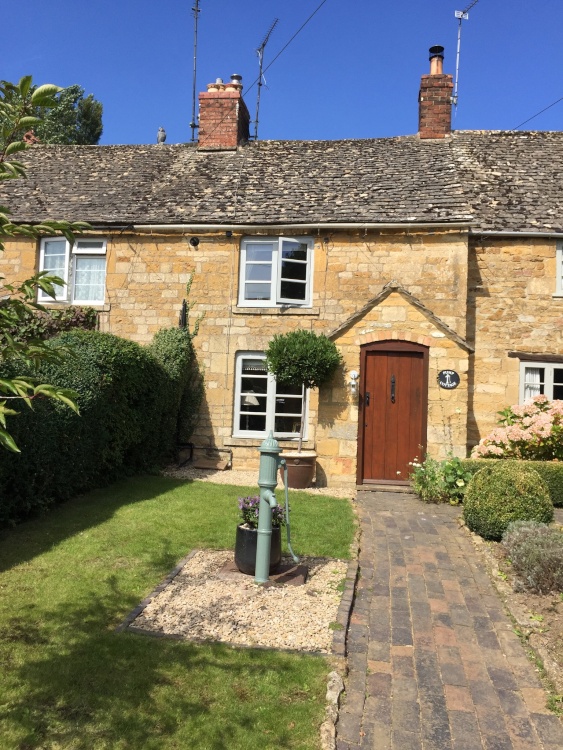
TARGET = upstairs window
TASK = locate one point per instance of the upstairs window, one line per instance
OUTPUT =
(541, 378)
(261, 404)
(82, 266)
(275, 272)
(559, 270)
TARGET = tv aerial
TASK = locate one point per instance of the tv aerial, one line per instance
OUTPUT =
(461, 15)
(261, 80)
(193, 123)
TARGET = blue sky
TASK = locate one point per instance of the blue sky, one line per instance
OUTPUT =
(353, 72)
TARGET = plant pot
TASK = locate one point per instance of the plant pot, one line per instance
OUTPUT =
(300, 469)
(245, 549)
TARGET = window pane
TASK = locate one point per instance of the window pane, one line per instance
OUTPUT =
(54, 258)
(256, 272)
(288, 405)
(254, 366)
(259, 252)
(89, 279)
(253, 403)
(294, 270)
(252, 422)
(254, 385)
(534, 380)
(293, 290)
(283, 389)
(287, 424)
(558, 383)
(294, 250)
(257, 291)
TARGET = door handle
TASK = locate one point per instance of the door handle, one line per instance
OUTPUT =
(367, 399)
(392, 389)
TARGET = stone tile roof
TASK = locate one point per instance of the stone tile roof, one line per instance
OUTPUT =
(497, 181)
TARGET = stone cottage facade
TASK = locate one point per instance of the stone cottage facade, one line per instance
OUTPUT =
(434, 261)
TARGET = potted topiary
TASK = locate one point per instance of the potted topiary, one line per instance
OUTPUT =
(305, 359)
(247, 535)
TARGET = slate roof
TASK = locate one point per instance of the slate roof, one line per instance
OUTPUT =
(508, 181)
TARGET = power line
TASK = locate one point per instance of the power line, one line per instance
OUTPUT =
(539, 113)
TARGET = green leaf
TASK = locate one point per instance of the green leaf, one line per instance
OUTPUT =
(7, 441)
(45, 93)
(24, 86)
(15, 146)
(28, 122)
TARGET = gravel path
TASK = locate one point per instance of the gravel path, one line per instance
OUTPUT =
(244, 478)
(202, 603)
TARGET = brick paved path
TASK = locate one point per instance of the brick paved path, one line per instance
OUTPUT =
(434, 664)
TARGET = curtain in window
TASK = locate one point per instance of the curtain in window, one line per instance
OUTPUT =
(89, 279)
(533, 384)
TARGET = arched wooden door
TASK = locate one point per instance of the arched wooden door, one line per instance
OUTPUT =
(393, 410)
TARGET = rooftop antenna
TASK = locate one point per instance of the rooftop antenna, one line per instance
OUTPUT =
(193, 123)
(461, 15)
(260, 53)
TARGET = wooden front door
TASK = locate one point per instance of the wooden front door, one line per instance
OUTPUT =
(393, 409)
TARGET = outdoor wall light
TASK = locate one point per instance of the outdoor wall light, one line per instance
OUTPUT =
(353, 382)
(194, 241)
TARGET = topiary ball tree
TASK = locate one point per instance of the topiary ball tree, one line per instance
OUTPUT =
(502, 493)
(302, 358)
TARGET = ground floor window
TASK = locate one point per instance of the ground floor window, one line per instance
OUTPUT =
(541, 378)
(261, 404)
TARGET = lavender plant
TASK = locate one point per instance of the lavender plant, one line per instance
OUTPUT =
(249, 508)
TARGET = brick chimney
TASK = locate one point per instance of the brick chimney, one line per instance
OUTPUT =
(223, 117)
(435, 99)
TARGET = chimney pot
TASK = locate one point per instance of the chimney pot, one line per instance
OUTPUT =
(436, 60)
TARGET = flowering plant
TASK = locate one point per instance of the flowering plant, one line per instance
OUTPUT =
(249, 508)
(532, 431)
(440, 481)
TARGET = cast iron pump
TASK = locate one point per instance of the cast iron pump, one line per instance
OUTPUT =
(270, 461)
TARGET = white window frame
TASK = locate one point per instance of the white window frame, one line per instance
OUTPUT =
(83, 248)
(559, 269)
(548, 368)
(271, 395)
(275, 299)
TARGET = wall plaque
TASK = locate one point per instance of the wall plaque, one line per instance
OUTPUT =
(448, 379)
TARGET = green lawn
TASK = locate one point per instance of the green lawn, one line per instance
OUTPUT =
(67, 680)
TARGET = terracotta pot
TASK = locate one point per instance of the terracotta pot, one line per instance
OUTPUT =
(300, 469)
(245, 549)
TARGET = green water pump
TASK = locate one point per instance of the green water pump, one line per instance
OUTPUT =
(270, 462)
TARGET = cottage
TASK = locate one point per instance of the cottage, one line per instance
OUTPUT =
(434, 261)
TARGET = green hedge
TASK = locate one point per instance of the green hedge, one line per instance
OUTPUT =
(550, 471)
(129, 401)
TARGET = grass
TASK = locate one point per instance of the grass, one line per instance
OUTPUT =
(67, 579)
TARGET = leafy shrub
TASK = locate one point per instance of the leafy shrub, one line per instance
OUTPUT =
(44, 324)
(502, 493)
(536, 554)
(531, 431)
(440, 481)
(129, 400)
(550, 471)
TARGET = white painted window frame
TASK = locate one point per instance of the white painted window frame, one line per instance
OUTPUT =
(275, 299)
(548, 368)
(85, 248)
(270, 404)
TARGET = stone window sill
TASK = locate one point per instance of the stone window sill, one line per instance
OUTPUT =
(275, 310)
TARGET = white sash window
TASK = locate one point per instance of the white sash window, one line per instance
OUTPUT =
(82, 267)
(541, 378)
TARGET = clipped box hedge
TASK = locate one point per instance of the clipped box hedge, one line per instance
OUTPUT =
(550, 471)
(130, 399)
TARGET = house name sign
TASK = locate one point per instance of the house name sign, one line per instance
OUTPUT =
(448, 379)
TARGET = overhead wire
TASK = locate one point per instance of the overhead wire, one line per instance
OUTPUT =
(539, 113)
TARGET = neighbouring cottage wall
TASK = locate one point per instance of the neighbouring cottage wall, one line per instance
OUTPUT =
(511, 307)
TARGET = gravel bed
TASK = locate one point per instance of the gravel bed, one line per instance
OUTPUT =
(202, 604)
(245, 478)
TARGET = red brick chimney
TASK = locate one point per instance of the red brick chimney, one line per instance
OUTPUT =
(223, 116)
(435, 99)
